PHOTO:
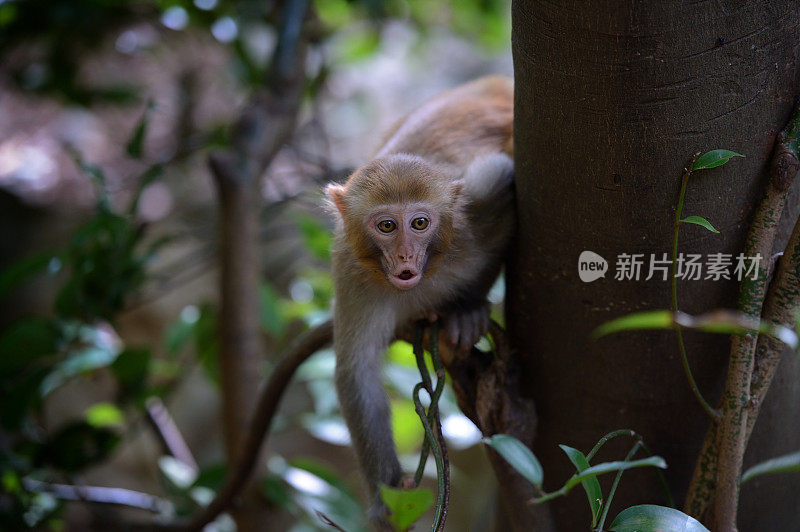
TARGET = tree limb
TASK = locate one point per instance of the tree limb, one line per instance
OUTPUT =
(99, 494)
(783, 298)
(265, 124)
(725, 441)
(487, 389)
(305, 345)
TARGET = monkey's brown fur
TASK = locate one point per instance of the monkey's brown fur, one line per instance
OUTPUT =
(422, 229)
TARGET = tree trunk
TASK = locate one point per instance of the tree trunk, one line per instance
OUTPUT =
(612, 100)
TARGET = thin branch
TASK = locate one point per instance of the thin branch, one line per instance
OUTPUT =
(97, 494)
(781, 306)
(725, 442)
(492, 410)
(702, 483)
(328, 521)
(168, 432)
(263, 126)
(783, 298)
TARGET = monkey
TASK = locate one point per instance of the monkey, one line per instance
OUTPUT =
(421, 231)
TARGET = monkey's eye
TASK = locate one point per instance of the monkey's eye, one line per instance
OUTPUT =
(386, 226)
(419, 223)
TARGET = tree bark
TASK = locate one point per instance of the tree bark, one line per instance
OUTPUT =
(612, 100)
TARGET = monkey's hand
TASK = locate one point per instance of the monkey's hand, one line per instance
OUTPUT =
(465, 326)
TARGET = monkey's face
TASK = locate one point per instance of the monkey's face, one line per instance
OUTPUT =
(403, 233)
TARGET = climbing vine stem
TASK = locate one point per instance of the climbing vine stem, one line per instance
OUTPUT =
(674, 287)
(431, 422)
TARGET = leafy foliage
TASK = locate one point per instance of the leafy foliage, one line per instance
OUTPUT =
(652, 518)
(590, 485)
(714, 158)
(104, 263)
(526, 463)
(719, 322)
(782, 464)
(405, 506)
(518, 456)
(699, 220)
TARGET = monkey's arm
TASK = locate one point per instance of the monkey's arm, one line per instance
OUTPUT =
(361, 335)
(488, 196)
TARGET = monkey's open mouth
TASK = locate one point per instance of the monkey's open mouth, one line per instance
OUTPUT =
(405, 279)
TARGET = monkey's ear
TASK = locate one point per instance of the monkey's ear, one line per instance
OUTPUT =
(335, 195)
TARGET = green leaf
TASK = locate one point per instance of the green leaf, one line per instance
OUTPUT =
(10, 482)
(716, 321)
(212, 476)
(319, 489)
(699, 220)
(714, 158)
(590, 485)
(782, 464)
(318, 468)
(276, 491)
(334, 13)
(24, 343)
(519, 456)
(131, 368)
(358, 45)
(732, 322)
(652, 518)
(95, 175)
(8, 14)
(650, 319)
(20, 396)
(21, 270)
(405, 506)
(136, 142)
(608, 467)
(80, 361)
(104, 415)
(104, 266)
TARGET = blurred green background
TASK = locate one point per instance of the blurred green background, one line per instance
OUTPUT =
(108, 278)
